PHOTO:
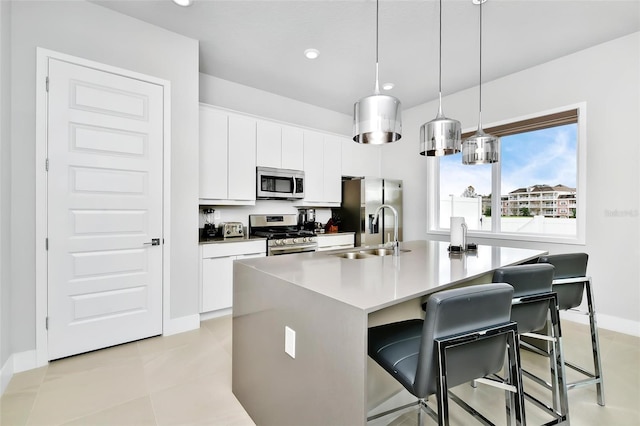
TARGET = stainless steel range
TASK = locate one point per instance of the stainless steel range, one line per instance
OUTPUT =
(282, 233)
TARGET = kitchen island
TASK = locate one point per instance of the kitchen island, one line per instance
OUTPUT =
(327, 302)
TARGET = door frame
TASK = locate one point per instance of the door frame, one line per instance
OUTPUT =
(41, 205)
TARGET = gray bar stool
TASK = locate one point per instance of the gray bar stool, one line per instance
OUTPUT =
(534, 302)
(463, 337)
(570, 283)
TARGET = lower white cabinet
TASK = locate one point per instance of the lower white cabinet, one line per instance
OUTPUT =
(217, 271)
(328, 242)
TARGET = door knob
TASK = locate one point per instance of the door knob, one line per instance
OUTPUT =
(153, 242)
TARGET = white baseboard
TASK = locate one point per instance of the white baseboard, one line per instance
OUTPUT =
(17, 363)
(606, 322)
(180, 325)
(215, 314)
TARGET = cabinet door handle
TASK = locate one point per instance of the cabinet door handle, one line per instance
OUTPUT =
(153, 242)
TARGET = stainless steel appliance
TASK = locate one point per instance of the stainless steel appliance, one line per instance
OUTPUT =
(360, 199)
(282, 234)
(231, 229)
(279, 184)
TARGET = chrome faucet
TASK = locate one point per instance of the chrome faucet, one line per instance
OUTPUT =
(396, 248)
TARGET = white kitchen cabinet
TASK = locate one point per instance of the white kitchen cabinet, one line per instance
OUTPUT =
(269, 144)
(213, 153)
(332, 169)
(328, 242)
(292, 148)
(313, 166)
(322, 169)
(279, 146)
(242, 158)
(227, 157)
(360, 159)
(216, 289)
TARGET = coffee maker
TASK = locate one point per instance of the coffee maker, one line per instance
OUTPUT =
(307, 219)
(209, 230)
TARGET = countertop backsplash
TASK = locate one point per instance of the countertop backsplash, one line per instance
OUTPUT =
(241, 213)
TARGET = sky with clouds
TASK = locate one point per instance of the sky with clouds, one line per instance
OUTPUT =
(546, 156)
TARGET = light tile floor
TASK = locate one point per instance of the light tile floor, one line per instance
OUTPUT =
(185, 379)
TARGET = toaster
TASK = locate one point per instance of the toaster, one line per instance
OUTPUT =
(231, 229)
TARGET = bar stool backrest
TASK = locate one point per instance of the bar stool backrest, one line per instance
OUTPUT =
(571, 265)
(457, 311)
(528, 280)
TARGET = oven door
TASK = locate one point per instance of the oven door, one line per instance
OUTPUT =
(293, 249)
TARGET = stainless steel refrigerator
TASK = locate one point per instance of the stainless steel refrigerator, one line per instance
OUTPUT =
(360, 199)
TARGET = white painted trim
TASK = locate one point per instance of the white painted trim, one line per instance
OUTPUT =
(605, 322)
(180, 325)
(17, 363)
(42, 59)
(216, 314)
(42, 348)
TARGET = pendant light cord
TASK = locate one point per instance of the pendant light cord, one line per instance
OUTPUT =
(480, 83)
(377, 88)
(440, 65)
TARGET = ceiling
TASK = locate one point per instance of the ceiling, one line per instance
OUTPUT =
(261, 43)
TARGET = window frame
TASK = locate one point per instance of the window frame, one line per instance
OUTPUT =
(433, 176)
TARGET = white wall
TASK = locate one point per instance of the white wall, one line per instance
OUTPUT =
(606, 77)
(90, 31)
(227, 94)
(5, 179)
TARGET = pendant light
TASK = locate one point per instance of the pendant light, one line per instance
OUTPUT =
(442, 135)
(377, 118)
(481, 148)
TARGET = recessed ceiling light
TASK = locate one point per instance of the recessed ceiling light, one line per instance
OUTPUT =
(184, 3)
(388, 86)
(311, 53)
(478, 1)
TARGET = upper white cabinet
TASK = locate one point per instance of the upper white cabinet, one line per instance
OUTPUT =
(213, 153)
(292, 148)
(242, 158)
(227, 157)
(322, 169)
(279, 146)
(269, 144)
(360, 160)
(332, 169)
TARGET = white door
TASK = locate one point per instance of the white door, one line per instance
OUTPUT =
(104, 192)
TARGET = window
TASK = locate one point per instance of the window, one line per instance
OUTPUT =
(532, 193)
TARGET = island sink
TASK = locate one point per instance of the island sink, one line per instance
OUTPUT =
(368, 253)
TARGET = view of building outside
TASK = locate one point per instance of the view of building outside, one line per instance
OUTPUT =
(538, 185)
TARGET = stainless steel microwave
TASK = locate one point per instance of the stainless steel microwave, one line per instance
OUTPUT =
(283, 184)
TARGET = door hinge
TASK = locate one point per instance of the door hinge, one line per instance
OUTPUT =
(46, 243)
(47, 83)
(46, 323)
(46, 164)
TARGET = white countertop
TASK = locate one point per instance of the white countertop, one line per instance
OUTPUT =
(377, 282)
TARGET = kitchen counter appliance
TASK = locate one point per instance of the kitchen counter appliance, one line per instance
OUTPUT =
(283, 184)
(209, 230)
(282, 234)
(231, 230)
